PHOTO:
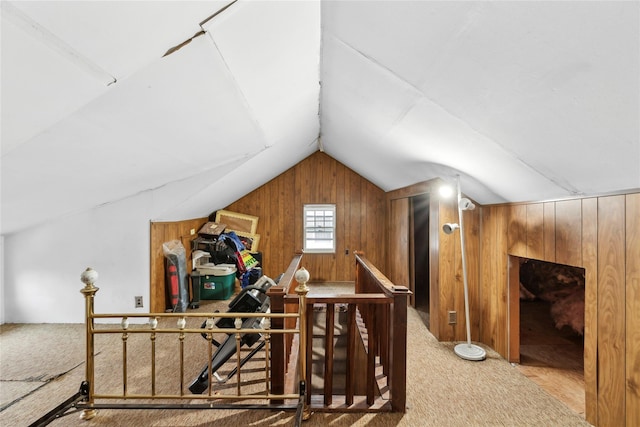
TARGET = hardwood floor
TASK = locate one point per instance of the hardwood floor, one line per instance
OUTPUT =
(552, 358)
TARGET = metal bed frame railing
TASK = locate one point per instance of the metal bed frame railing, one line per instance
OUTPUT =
(87, 401)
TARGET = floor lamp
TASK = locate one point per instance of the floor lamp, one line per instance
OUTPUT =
(466, 350)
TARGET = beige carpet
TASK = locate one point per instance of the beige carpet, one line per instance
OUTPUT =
(44, 341)
(32, 355)
(443, 390)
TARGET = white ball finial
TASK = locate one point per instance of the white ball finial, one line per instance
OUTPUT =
(302, 275)
(89, 276)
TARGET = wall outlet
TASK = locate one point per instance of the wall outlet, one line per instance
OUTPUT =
(453, 317)
(138, 302)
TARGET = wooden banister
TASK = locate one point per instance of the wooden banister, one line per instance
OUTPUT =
(390, 326)
(376, 329)
(280, 344)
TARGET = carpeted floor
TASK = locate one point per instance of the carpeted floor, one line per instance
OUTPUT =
(41, 365)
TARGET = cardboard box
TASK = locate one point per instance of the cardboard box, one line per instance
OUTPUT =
(211, 230)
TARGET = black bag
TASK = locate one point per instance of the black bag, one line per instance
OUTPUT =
(222, 253)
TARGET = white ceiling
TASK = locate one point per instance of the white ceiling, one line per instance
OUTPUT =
(524, 100)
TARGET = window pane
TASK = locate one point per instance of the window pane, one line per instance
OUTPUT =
(319, 228)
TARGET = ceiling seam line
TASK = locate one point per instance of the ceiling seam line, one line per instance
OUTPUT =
(510, 153)
(245, 101)
(55, 43)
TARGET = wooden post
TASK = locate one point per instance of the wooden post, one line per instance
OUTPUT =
(328, 353)
(278, 357)
(398, 346)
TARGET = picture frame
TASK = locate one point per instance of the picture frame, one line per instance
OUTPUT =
(250, 241)
(237, 221)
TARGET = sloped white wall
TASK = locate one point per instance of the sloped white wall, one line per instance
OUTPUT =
(42, 265)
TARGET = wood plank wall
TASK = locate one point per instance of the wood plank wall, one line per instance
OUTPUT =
(446, 285)
(399, 265)
(451, 277)
(361, 223)
(164, 232)
(360, 211)
(602, 235)
(632, 310)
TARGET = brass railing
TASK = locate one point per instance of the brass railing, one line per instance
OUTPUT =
(89, 401)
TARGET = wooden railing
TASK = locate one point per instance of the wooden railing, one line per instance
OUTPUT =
(387, 324)
(376, 325)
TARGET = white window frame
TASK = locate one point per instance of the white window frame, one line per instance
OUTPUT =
(318, 246)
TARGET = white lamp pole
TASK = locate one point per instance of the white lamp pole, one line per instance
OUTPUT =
(466, 350)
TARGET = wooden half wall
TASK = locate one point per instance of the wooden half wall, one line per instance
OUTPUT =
(601, 235)
(161, 232)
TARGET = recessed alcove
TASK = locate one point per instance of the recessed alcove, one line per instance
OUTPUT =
(547, 319)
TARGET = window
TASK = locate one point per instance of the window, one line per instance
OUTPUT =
(319, 228)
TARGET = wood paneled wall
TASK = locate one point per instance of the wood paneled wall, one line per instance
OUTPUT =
(602, 235)
(360, 214)
(632, 310)
(399, 263)
(361, 223)
(162, 232)
(446, 285)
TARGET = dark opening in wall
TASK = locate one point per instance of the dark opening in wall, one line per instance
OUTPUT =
(552, 328)
(561, 286)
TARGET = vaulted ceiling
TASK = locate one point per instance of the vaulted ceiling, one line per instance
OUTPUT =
(201, 102)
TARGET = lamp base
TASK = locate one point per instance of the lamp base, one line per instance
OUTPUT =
(470, 352)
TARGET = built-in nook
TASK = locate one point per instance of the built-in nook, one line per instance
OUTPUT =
(550, 330)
